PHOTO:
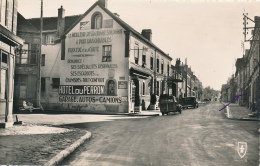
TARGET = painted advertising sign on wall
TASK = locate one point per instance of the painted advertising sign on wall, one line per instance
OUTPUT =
(92, 64)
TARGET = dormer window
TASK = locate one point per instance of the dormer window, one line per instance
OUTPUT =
(96, 21)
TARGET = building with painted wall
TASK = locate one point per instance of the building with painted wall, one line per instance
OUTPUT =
(98, 63)
(9, 42)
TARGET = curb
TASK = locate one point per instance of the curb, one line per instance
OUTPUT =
(244, 119)
(60, 156)
(143, 114)
(229, 116)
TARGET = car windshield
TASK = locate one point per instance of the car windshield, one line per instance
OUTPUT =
(189, 99)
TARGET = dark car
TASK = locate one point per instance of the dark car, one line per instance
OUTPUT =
(189, 102)
(168, 104)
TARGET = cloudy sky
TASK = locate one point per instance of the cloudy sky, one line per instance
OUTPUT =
(208, 34)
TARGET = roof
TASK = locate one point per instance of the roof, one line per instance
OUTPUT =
(50, 23)
(24, 26)
(120, 22)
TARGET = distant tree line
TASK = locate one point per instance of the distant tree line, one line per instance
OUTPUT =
(210, 93)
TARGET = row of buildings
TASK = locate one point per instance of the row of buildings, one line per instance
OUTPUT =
(184, 82)
(93, 62)
(245, 81)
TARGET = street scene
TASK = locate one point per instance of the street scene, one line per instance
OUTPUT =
(107, 82)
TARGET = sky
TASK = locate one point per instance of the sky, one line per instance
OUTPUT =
(209, 34)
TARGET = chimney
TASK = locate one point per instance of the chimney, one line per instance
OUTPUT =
(147, 33)
(61, 21)
(178, 62)
(103, 3)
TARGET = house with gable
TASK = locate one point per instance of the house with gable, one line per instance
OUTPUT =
(95, 62)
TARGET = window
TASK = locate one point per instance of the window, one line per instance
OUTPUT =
(43, 60)
(157, 87)
(55, 83)
(144, 61)
(43, 84)
(162, 67)
(7, 13)
(111, 87)
(158, 64)
(24, 54)
(4, 58)
(143, 88)
(107, 54)
(151, 63)
(96, 20)
(50, 39)
(33, 54)
(168, 70)
(163, 86)
(27, 54)
(136, 53)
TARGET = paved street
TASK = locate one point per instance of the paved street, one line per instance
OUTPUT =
(202, 136)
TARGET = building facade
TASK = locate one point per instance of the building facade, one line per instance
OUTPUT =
(9, 42)
(95, 62)
(184, 82)
(245, 82)
(27, 69)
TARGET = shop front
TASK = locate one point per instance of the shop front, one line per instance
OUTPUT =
(140, 90)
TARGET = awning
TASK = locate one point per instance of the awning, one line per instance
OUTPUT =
(174, 80)
(134, 71)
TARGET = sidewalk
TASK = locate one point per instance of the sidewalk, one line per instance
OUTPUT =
(147, 113)
(29, 144)
(237, 112)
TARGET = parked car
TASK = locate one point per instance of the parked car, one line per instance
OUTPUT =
(189, 102)
(169, 104)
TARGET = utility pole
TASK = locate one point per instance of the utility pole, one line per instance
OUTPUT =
(39, 61)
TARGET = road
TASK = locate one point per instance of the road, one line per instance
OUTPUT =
(197, 137)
